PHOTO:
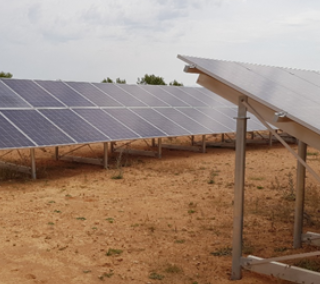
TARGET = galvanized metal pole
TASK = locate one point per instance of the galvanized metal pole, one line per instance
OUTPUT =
(33, 164)
(203, 146)
(105, 155)
(159, 148)
(300, 189)
(239, 190)
(56, 153)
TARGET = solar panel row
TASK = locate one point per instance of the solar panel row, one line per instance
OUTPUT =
(52, 113)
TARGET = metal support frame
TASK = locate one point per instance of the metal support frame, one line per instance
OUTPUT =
(33, 164)
(239, 189)
(300, 191)
(105, 155)
(203, 144)
(159, 148)
(121, 149)
(56, 153)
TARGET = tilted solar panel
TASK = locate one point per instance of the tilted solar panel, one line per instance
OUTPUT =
(9, 99)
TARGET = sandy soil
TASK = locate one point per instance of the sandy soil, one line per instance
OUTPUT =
(167, 220)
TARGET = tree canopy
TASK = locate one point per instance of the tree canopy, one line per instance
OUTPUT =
(5, 75)
(151, 80)
(118, 81)
(175, 83)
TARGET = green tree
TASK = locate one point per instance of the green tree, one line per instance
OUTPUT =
(5, 75)
(175, 83)
(151, 80)
(120, 81)
(108, 80)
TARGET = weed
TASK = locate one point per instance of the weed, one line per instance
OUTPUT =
(111, 252)
(276, 184)
(280, 249)
(119, 171)
(105, 274)
(51, 223)
(51, 201)
(155, 276)
(312, 153)
(179, 241)
(213, 174)
(256, 178)
(260, 187)
(57, 211)
(290, 196)
(135, 225)
(81, 218)
(172, 268)
(110, 220)
(191, 211)
(222, 252)
(86, 271)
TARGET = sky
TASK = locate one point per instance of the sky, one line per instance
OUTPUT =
(86, 40)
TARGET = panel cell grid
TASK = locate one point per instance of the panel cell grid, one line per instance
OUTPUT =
(107, 124)
(8, 99)
(64, 93)
(135, 123)
(11, 137)
(77, 128)
(186, 122)
(33, 94)
(38, 128)
(120, 95)
(94, 94)
(161, 122)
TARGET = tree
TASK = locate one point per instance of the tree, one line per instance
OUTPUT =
(151, 80)
(5, 75)
(108, 80)
(119, 81)
(175, 83)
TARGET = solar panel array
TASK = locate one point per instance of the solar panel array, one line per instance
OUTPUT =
(36, 113)
(297, 92)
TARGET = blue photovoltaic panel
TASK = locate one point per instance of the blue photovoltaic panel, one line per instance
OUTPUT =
(9, 99)
(164, 96)
(219, 116)
(209, 100)
(179, 93)
(94, 94)
(186, 122)
(216, 97)
(214, 125)
(77, 128)
(11, 137)
(33, 94)
(120, 95)
(64, 93)
(161, 122)
(107, 124)
(38, 128)
(143, 95)
(135, 123)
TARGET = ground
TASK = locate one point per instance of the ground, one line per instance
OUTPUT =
(148, 220)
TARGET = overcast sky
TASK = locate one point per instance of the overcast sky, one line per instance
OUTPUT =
(83, 40)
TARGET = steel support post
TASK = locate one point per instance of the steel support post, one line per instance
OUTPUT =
(192, 140)
(56, 153)
(300, 190)
(222, 137)
(270, 138)
(33, 164)
(203, 146)
(153, 142)
(105, 155)
(159, 148)
(239, 189)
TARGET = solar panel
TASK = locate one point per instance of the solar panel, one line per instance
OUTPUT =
(119, 94)
(165, 96)
(77, 128)
(161, 122)
(11, 137)
(135, 123)
(184, 121)
(214, 125)
(179, 93)
(64, 93)
(38, 128)
(217, 115)
(9, 99)
(94, 94)
(33, 93)
(143, 95)
(107, 124)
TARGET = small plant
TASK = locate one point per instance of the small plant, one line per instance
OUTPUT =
(50, 223)
(280, 249)
(191, 211)
(223, 251)
(213, 174)
(51, 201)
(172, 268)
(155, 276)
(81, 218)
(119, 171)
(106, 274)
(312, 153)
(111, 252)
(260, 187)
(110, 220)
(57, 211)
(290, 196)
(179, 241)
